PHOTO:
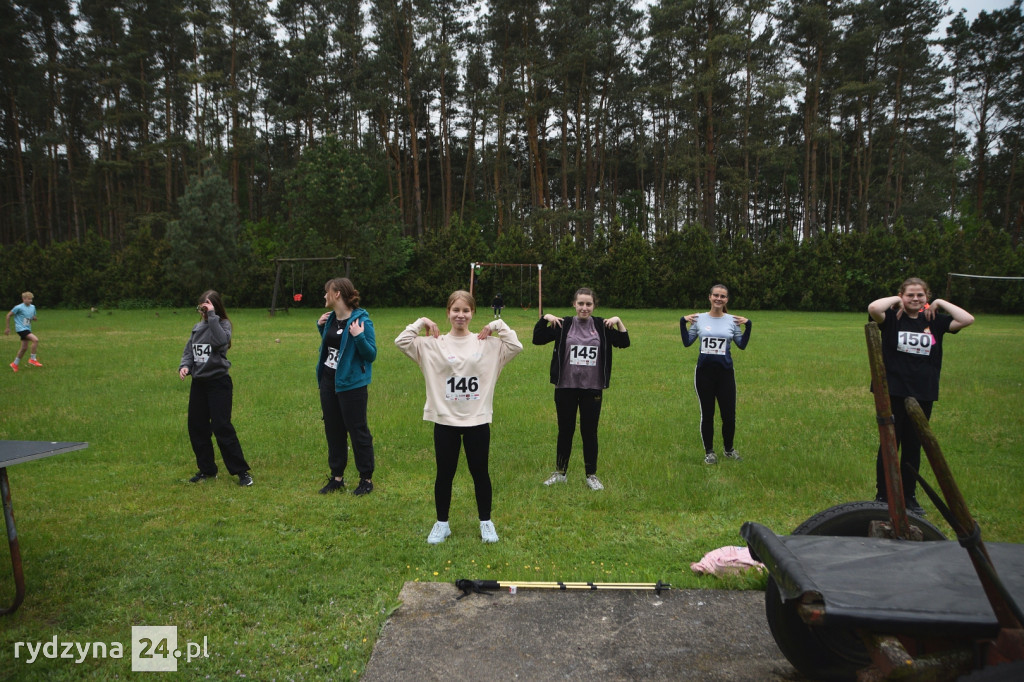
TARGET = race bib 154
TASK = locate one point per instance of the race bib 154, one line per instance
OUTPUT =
(201, 352)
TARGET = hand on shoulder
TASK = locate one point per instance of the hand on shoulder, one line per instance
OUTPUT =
(551, 319)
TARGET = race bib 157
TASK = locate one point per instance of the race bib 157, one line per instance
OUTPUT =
(713, 345)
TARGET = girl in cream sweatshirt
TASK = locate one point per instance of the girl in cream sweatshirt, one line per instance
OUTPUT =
(460, 370)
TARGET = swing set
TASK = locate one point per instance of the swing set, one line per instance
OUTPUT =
(297, 291)
(476, 268)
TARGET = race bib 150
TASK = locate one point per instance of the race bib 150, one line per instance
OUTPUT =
(915, 343)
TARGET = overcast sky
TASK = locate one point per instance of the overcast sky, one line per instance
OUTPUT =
(975, 6)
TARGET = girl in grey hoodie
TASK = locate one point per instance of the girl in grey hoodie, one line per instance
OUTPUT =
(209, 400)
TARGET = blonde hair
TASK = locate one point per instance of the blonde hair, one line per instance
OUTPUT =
(464, 295)
(27, 294)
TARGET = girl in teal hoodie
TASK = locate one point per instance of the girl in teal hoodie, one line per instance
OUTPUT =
(348, 348)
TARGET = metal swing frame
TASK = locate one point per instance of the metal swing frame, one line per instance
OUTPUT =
(540, 289)
(279, 262)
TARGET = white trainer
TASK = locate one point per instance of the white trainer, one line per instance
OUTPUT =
(487, 532)
(438, 533)
(594, 483)
(732, 454)
(555, 478)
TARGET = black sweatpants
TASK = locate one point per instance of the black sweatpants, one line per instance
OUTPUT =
(209, 413)
(715, 382)
(908, 444)
(344, 417)
(588, 403)
(447, 441)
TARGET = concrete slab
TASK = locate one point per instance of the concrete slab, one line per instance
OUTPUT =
(707, 635)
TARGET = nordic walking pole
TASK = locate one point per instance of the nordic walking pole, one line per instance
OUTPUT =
(478, 586)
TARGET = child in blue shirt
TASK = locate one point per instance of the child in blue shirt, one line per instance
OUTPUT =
(24, 313)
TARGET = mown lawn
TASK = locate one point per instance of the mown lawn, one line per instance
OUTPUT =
(287, 584)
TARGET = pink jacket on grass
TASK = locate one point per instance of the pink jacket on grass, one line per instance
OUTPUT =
(726, 561)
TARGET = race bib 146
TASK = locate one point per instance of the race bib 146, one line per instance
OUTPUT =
(462, 388)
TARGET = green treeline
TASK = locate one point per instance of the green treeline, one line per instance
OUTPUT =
(809, 153)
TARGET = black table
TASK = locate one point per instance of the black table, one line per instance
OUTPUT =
(16, 452)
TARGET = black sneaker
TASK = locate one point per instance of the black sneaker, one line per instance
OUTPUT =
(332, 485)
(881, 498)
(200, 476)
(244, 479)
(365, 486)
(914, 508)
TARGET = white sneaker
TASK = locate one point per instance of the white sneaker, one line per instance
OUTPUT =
(438, 533)
(709, 458)
(732, 454)
(555, 478)
(487, 533)
(594, 483)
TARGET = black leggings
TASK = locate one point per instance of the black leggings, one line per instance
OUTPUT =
(447, 441)
(909, 446)
(588, 403)
(716, 382)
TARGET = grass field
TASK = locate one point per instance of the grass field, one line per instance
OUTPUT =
(287, 584)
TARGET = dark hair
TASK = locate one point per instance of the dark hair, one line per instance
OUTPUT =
(218, 305)
(584, 291)
(725, 308)
(463, 294)
(911, 281)
(344, 286)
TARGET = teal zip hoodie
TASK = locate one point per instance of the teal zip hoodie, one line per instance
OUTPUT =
(356, 353)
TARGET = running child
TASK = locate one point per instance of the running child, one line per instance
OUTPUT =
(24, 314)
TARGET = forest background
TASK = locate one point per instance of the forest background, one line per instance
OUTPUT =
(809, 153)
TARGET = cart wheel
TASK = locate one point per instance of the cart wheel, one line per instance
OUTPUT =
(822, 652)
(851, 519)
(819, 653)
